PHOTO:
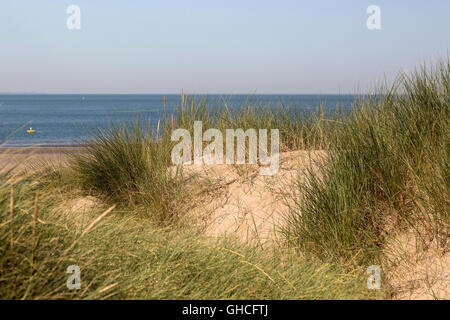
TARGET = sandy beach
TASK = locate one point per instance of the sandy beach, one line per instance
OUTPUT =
(33, 158)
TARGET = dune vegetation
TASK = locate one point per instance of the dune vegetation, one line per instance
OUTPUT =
(385, 171)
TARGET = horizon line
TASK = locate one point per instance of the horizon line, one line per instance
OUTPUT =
(185, 93)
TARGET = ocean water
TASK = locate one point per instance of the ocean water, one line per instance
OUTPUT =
(60, 120)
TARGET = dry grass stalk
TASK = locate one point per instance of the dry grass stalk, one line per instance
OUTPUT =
(12, 214)
(35, 212)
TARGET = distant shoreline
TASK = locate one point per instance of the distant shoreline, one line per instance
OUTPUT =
(41, 149)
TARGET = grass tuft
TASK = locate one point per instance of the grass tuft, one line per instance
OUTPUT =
(387, 167)
(127, 164)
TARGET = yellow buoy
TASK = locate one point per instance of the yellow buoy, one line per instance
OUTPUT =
(31, 130)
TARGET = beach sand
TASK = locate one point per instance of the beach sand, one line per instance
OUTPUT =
(20, 159)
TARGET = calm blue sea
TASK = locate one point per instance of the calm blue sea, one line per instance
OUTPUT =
(67, 119)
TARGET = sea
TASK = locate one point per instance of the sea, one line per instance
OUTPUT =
(61, 120)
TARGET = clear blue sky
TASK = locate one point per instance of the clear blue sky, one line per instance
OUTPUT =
(215, 46)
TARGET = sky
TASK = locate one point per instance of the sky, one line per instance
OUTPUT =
(215, 46)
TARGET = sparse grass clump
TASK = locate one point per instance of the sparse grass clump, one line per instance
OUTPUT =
(387, 167)
(128, 164)
(299, 129)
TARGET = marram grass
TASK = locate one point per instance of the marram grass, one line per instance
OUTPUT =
(124, 256)
(387, 167)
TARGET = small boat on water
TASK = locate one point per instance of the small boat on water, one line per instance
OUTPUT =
(31, 130)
